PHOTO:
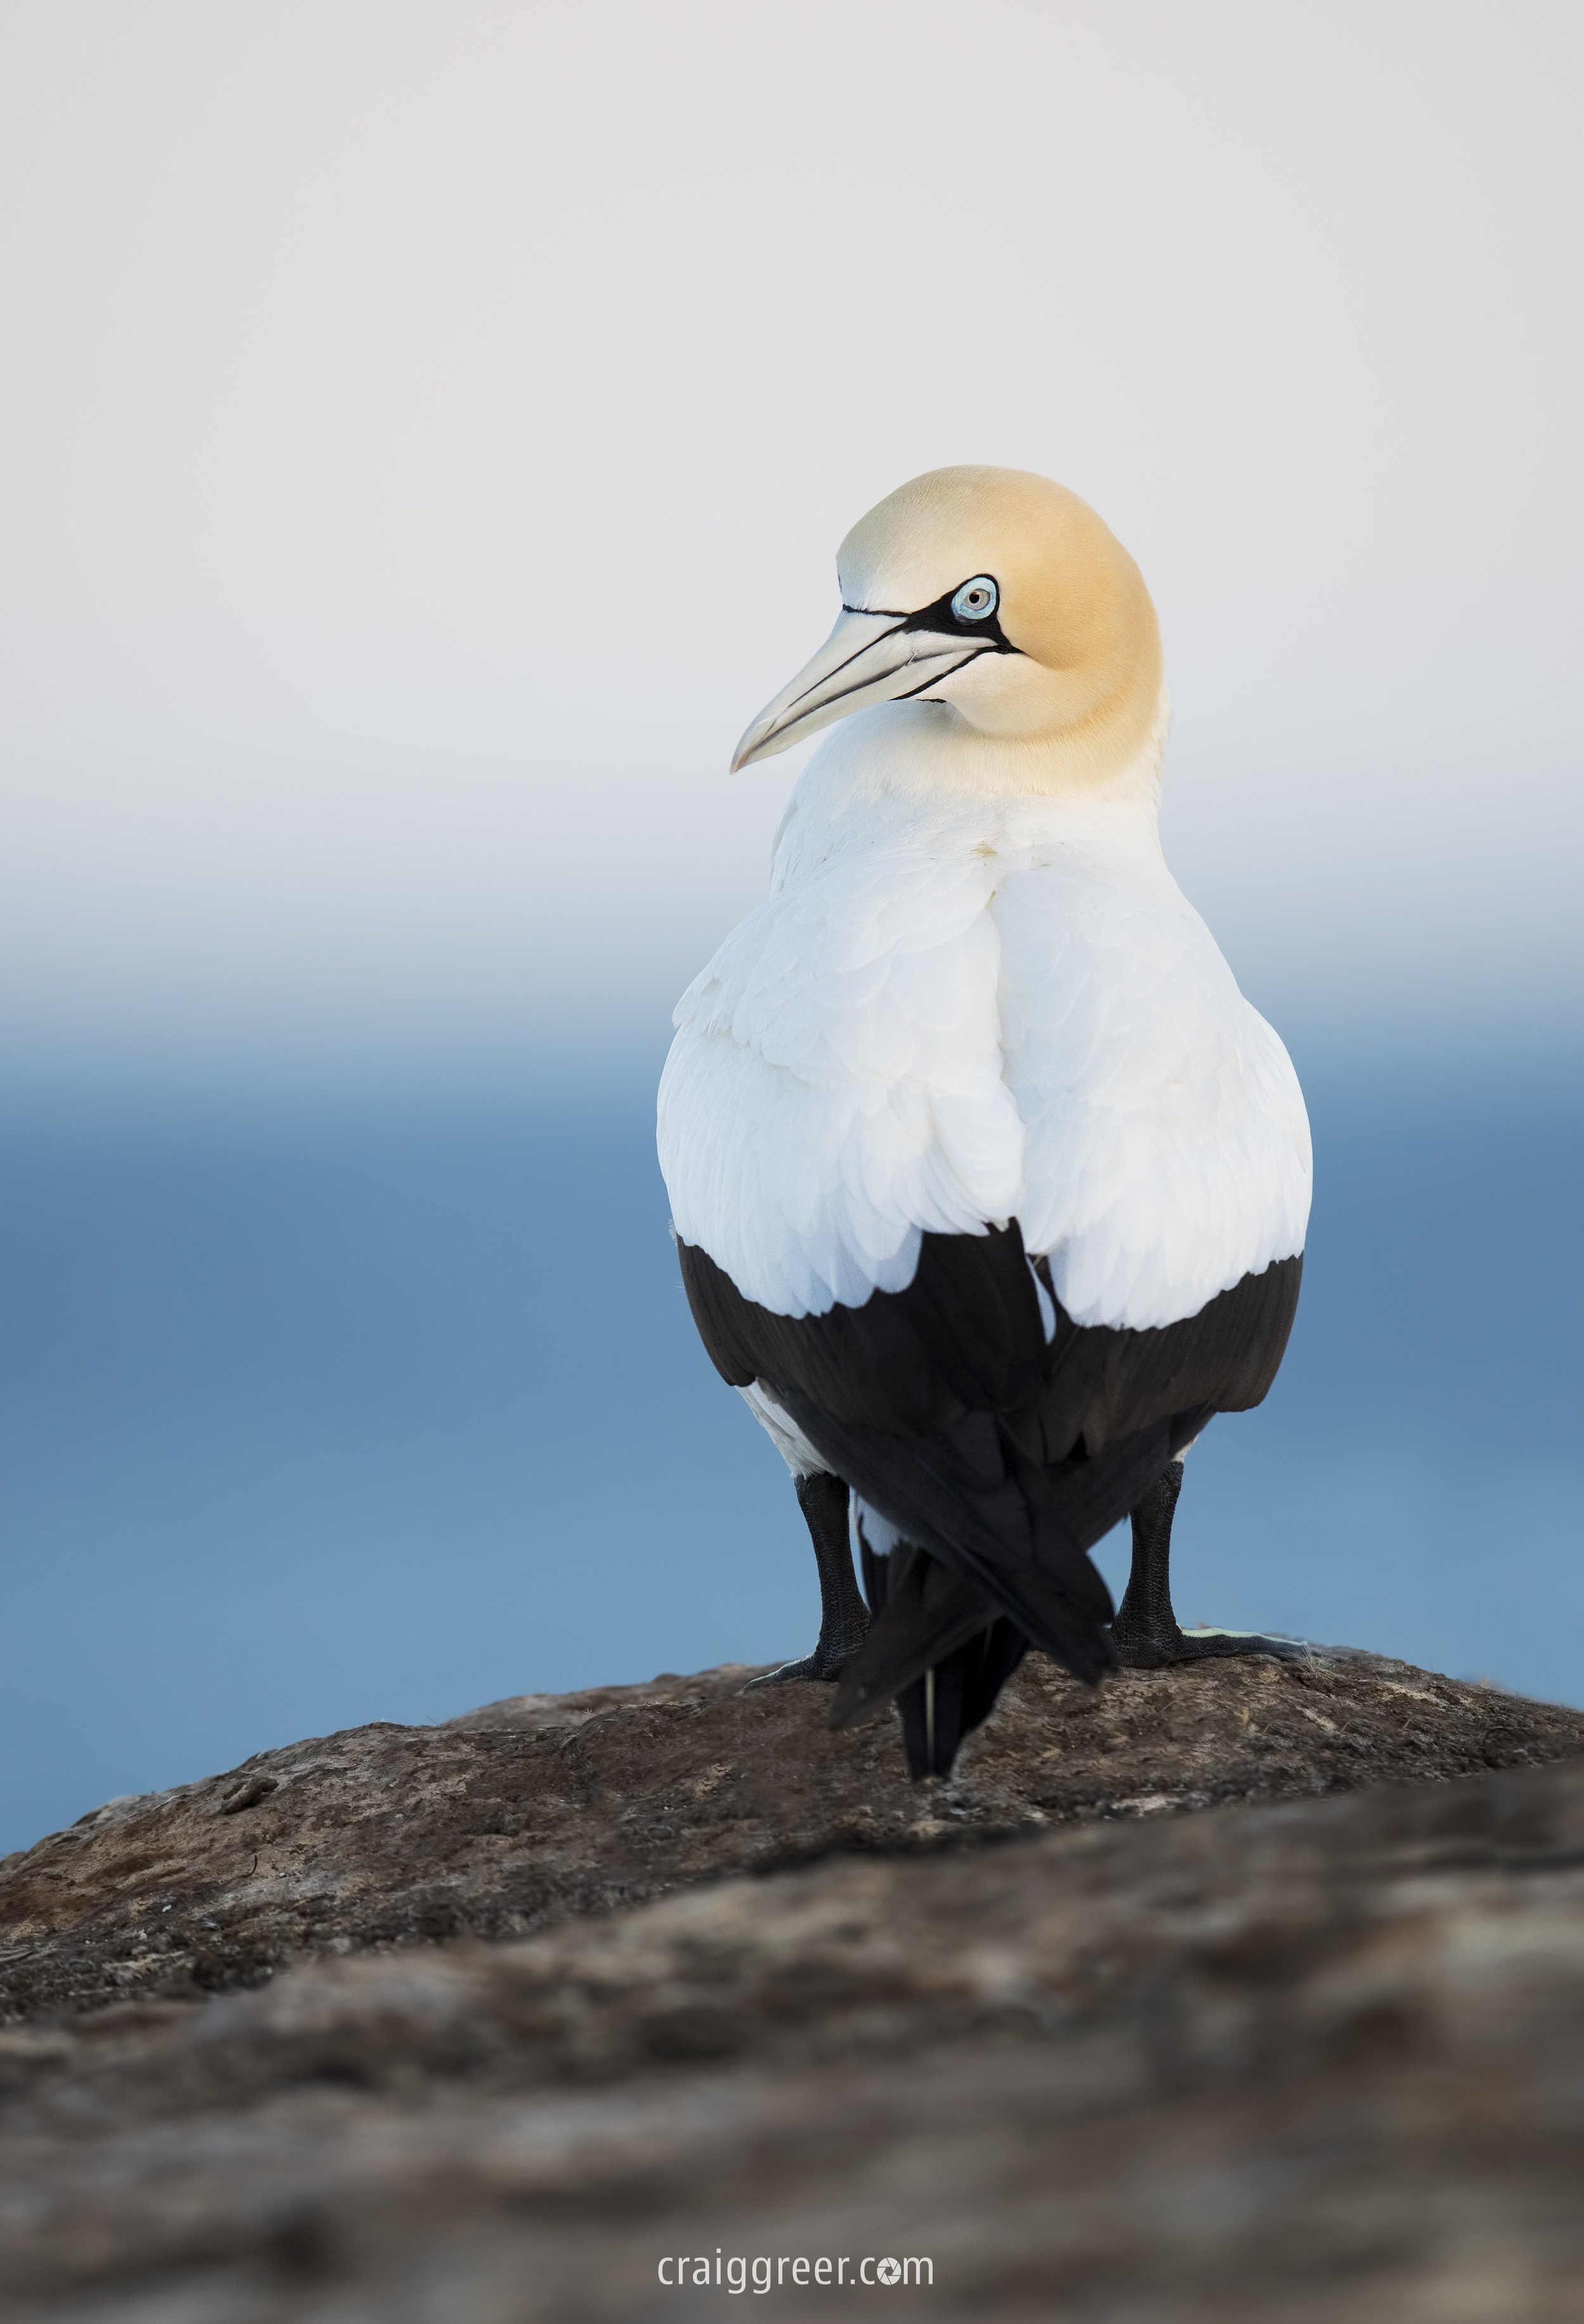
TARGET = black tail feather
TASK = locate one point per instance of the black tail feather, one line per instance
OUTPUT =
(956, 1695)
(921, 1613)
(975, 1499)
(955, 1692)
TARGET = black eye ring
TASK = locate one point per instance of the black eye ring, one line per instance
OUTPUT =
(976, 600)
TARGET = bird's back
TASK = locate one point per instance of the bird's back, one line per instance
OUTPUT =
(992, 1010)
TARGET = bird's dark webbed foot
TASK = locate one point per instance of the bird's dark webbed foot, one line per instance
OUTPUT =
(1146, 1633)
(844, 1619)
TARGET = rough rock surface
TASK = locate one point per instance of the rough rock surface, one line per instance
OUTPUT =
(545, 1808)
(1317, 2053)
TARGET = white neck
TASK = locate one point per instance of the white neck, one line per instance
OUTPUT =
(905, 770)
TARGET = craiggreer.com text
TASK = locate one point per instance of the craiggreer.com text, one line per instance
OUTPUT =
(736, 2273)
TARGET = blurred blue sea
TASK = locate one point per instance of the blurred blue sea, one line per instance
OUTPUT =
(341, 1413)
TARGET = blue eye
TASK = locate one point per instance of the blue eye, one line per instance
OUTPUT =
(976, 600)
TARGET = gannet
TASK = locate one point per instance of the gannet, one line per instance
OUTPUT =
(989, 1186)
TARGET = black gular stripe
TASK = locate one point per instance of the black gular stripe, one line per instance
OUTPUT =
(1005, 1457)
(936, 676)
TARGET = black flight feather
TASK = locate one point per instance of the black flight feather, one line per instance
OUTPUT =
(956, 1691)
(1001, 1455)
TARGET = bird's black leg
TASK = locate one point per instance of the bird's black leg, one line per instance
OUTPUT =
(844, 1619)
(1146, 1635)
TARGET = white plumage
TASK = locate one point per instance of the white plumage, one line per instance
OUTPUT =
(954, 1009)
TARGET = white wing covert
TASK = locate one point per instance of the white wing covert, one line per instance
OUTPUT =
(835, 1087)
(914, 1035)
(1167, 1151)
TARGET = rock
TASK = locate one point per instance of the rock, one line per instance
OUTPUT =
(1309, 2055)
(545, 1808)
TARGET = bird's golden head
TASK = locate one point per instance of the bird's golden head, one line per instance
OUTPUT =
(1000, 596)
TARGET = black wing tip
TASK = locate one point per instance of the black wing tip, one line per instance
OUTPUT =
(955, 1696)
(941, 1648)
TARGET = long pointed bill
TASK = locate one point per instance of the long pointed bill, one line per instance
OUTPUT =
(867, 657)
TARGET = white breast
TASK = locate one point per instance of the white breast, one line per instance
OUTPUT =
(954, 1012)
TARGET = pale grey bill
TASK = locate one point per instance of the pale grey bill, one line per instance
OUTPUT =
(867, 657)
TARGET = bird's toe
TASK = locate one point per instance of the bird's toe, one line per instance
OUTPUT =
(811, 1666)
(1158, 1650)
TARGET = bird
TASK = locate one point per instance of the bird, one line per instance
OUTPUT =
(988, 1186)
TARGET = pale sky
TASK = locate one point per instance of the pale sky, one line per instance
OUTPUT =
(428, 430)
